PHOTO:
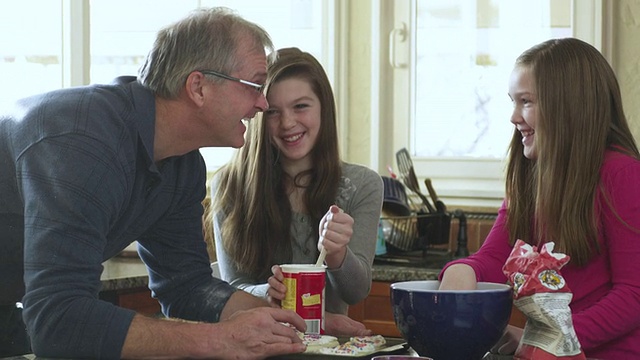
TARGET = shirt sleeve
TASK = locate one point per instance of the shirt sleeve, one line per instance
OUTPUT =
(175, 252)
(66, 219)
(179, 268)
(487, 262)
(353, 279)
(617, 313)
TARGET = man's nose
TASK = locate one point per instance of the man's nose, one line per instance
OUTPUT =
(262, 102)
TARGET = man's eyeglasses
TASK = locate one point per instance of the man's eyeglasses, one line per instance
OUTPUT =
(256, 87)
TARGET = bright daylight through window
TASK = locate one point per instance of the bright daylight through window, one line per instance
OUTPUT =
(31, 62)
(121, 32)
(119, 47)
(450, 106)
(465, 53)
(450, 64)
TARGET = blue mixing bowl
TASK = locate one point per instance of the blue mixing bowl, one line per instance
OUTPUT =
(451, 324)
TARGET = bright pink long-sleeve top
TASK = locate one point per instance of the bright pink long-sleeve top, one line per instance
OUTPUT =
(606, 292)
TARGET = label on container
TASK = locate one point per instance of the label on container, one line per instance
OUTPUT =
(305, 294)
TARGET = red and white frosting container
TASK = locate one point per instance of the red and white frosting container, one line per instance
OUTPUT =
(305, 293)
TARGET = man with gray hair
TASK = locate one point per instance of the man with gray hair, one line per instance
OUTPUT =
(88, 170)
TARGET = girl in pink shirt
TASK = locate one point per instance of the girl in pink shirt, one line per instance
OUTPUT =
(573, 177)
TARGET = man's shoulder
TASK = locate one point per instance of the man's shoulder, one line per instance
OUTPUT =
(124, 80)
(74, 101)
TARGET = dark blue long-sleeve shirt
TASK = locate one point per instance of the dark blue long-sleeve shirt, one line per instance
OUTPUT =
(77, 185)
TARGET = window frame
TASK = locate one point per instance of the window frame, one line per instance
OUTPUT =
(461, 181)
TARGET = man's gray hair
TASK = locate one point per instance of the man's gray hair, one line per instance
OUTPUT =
(206, 39)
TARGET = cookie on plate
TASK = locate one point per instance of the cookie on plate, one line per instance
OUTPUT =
(376, 340)
(316, 342)
(349, 348)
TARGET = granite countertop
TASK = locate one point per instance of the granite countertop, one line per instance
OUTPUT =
(121, 273)
(396, 273)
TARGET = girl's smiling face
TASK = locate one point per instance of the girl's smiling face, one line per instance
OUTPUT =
(293, 121)
(525, 108)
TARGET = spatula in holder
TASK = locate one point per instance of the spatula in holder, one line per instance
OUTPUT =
(405, 166)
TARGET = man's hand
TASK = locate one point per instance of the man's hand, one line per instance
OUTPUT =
(256, 333)
(342, 325)
(259, 333)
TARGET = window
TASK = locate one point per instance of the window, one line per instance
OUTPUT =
(66, 42)
(450, 61)
(464, 55)
(31, 62)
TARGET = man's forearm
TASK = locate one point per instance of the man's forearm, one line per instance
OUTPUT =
(248, 329)
(164, 338)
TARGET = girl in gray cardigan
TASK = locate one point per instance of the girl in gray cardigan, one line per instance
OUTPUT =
(271, 202)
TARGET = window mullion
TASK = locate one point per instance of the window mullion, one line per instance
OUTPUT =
(75, 43)
(401, 43)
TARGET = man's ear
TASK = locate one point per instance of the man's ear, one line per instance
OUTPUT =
(194, 87)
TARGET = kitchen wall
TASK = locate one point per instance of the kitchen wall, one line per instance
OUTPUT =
(626, 57)
(359, 72)
(625, 61)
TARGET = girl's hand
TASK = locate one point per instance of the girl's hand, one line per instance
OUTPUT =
(277, 289)
(335, 230)
(342, 325)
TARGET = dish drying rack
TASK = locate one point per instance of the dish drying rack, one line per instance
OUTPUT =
(415, 239)
(418, 232)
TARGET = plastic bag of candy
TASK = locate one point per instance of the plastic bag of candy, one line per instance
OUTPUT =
(541, 293)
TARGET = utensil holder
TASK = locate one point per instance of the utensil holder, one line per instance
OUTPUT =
(416, 232)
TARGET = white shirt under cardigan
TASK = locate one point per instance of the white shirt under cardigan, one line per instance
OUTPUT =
(360, 195)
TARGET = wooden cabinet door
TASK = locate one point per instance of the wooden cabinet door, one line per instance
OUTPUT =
(138, 299)
(375, 311)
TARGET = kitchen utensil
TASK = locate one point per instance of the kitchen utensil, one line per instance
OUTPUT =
(395, 201)
(451, 324)
(415, 232)
(323, 254)
(401, 232)
(434, 228)
(440, 207)
(391, 173)
(405, 165)
(323, 251)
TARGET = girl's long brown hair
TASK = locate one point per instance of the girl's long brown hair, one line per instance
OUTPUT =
(251, 190)
(580, 115)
